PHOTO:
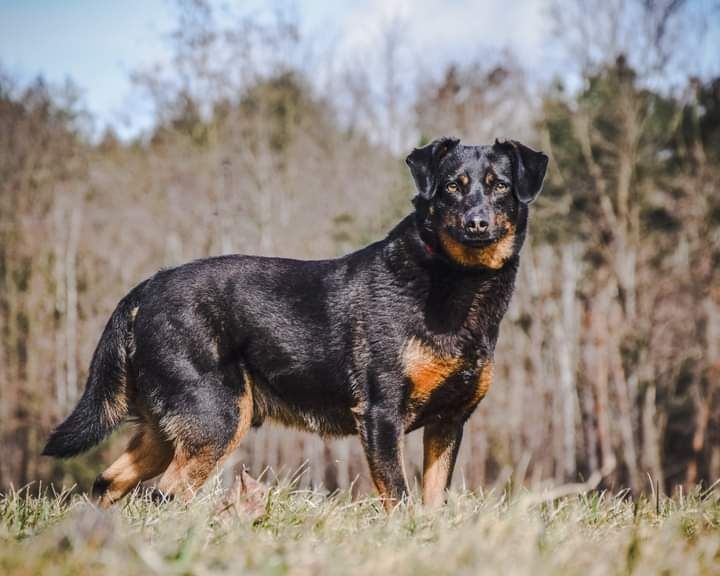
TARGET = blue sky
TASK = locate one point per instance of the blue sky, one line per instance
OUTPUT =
(95, 43)
(98, 43)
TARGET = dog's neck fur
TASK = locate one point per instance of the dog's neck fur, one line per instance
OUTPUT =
(460, 305)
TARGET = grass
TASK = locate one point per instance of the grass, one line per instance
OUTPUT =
(306, 533)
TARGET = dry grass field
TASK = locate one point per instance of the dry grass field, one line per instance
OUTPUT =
(291, 531)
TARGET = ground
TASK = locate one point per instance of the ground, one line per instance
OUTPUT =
(287, 531)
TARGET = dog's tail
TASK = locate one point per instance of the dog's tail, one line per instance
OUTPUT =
(104, 404)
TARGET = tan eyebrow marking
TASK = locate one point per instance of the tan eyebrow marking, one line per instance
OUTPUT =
(464, 179)
(489, 178)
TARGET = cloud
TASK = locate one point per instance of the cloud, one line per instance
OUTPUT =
(450, 30)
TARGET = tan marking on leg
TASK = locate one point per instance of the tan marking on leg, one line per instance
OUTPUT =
(439, 452)
(245, 406)
(483, 383)
(147, 455)
(435, 475)
(187, 473)
(389, 500)
(493, 256)
(426, 369)
(383, 491)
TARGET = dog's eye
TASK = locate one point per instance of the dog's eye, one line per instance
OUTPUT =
(501, 187)
(451, 187)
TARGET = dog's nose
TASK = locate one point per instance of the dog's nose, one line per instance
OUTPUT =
(476, 224)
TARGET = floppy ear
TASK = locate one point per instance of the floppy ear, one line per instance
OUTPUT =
(529, 168)
(423, 163)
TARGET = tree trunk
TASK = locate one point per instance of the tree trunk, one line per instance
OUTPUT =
(71, 324)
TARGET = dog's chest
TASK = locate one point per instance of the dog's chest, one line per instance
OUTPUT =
(440, 382)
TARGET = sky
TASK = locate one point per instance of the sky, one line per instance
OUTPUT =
(96, 43)
(99, 43)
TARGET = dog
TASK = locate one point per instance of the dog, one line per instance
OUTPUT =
(394, 337)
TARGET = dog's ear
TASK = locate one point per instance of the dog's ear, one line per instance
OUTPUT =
(529, 168)
(423, 163)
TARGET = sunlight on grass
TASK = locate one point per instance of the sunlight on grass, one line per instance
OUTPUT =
(304, 532)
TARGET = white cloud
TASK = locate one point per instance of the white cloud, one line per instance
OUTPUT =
(441, 31)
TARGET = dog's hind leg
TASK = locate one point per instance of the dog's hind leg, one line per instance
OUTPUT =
(147, 455)
(203, 441)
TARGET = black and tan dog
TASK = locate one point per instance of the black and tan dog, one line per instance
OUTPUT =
(394, 337)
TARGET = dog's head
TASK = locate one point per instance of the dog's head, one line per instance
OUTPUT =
(474, 199)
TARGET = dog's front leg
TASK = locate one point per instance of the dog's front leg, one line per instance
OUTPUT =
(381, 432)
(441, 441)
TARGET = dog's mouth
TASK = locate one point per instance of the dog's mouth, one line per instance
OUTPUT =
(479, 240)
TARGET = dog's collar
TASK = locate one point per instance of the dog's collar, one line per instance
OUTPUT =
(428, 239)
(429, 243)
(429, 250)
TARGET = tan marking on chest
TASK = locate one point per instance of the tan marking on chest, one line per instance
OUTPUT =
(426, 369)
(493, 256)
(483, 382)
